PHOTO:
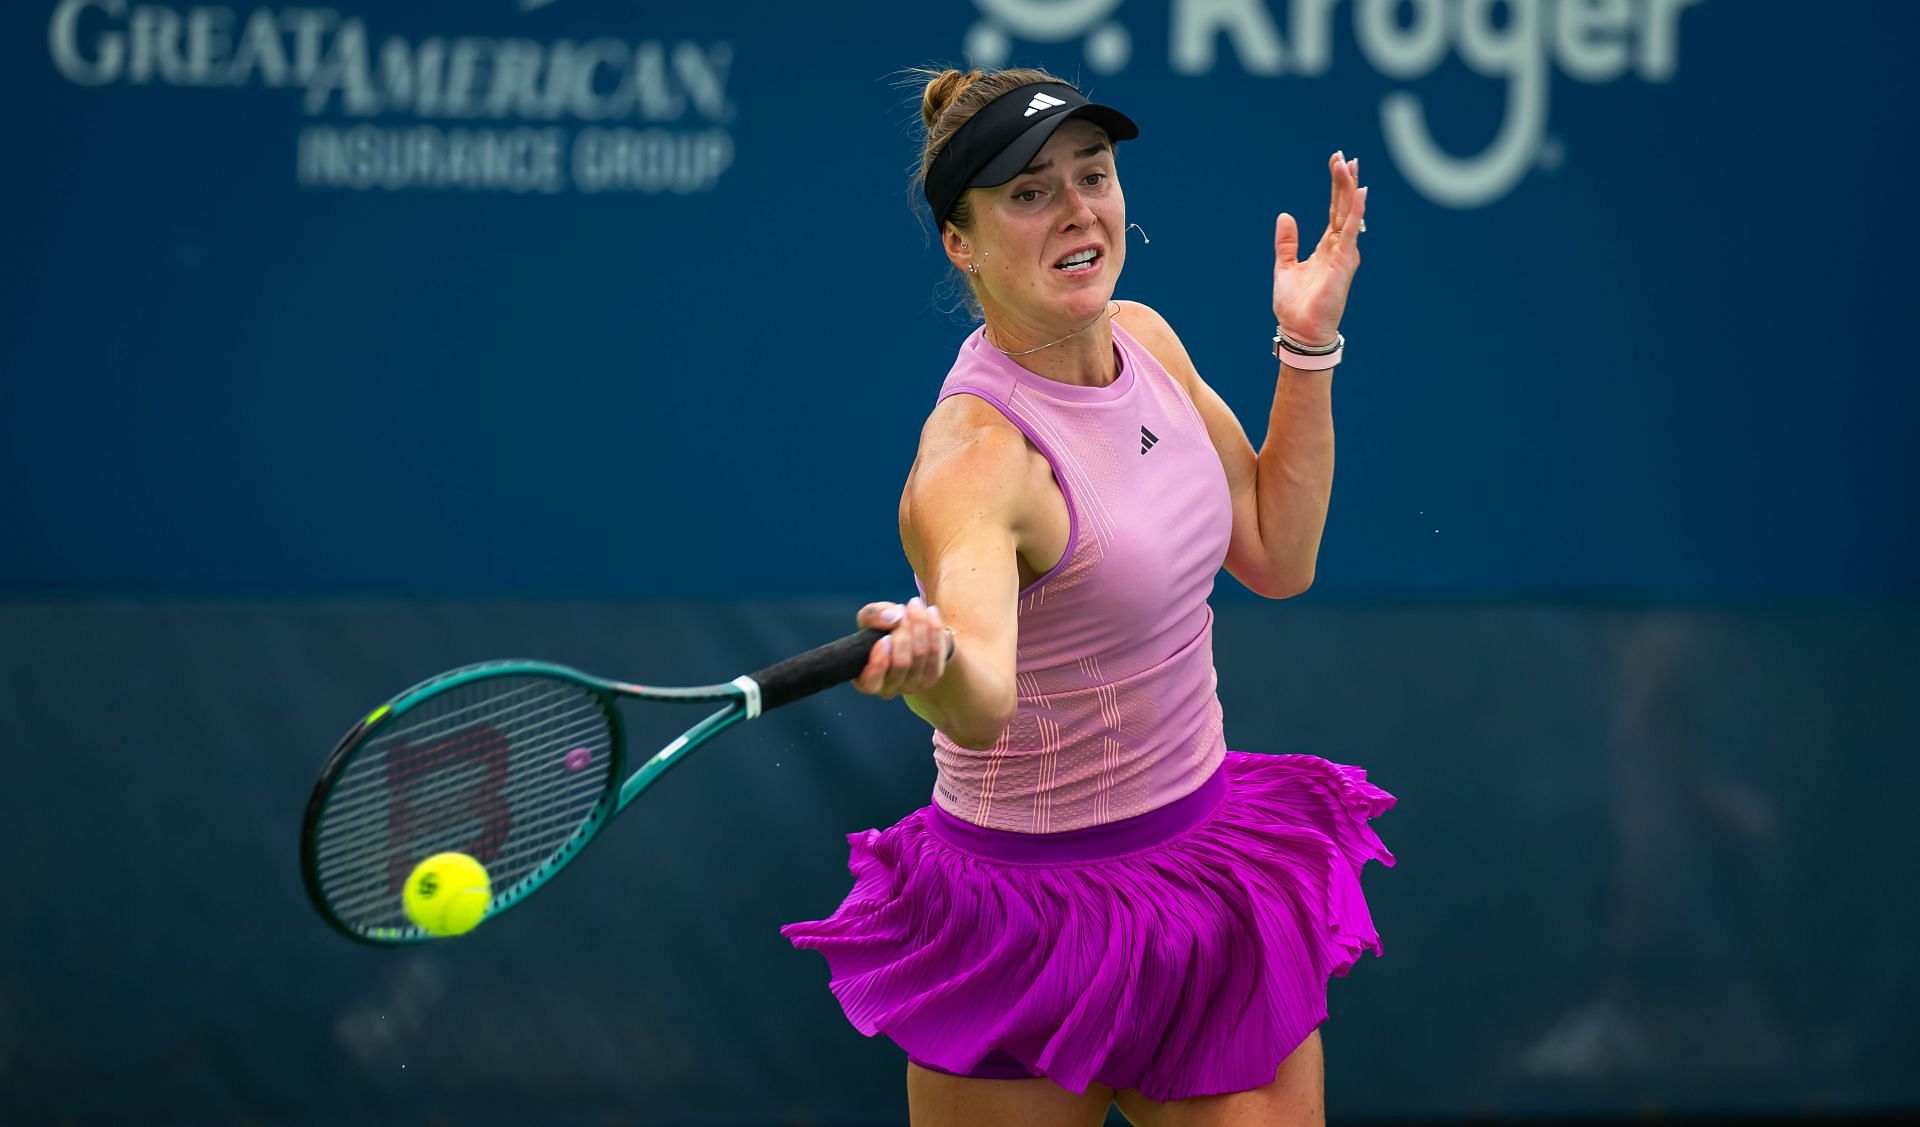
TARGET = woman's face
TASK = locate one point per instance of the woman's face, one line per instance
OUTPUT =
(1056, 233)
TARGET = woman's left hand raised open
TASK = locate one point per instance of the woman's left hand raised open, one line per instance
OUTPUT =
(1310, 296)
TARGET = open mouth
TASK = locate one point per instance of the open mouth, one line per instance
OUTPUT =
(1079, 262)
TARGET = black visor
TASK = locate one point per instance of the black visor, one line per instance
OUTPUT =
(1000, 140)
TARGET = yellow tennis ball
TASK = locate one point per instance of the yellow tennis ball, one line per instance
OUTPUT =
(447, 894)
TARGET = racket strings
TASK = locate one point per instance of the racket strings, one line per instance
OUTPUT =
(458, 779)
(445, 809)
(353, 794)
(483, 768)
(566, 723)
(502, 702)
(511, 826)
(562, 806)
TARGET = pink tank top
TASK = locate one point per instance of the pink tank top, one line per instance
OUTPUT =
(1117, 711)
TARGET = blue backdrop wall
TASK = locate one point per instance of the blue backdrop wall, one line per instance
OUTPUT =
(342, 344)
(595, 299)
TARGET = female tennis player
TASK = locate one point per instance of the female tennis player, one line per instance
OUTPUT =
(1102, 903)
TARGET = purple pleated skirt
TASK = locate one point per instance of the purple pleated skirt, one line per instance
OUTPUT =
(1182, 953)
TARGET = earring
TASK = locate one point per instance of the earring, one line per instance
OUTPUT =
(1142, 230)
(973, 267)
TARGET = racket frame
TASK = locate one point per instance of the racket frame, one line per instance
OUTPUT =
(745, 698)
(621, 789)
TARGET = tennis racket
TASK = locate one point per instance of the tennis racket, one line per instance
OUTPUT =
(518, 764)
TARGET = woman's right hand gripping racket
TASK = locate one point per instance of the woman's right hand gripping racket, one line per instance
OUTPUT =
(516, 764)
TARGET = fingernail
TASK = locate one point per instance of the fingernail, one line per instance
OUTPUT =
(886, 646)
(915, 602)
(892, 614)
(1340, 155)
(933, 610)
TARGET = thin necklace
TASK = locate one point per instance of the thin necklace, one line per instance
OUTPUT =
(1112, 308)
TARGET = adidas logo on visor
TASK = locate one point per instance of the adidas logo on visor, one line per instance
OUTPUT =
(1042, 102)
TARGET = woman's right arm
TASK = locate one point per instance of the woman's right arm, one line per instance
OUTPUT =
(960, 525)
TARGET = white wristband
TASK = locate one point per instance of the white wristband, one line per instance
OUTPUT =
(1308, 363)
(1287, 352)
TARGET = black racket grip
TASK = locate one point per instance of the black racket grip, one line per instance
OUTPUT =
(822, 667)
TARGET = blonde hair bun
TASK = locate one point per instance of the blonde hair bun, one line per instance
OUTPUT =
(941, 92)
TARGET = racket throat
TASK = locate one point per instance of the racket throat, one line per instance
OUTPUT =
(683, 745)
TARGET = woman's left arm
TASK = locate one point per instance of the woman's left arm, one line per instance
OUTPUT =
(1280, 493)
